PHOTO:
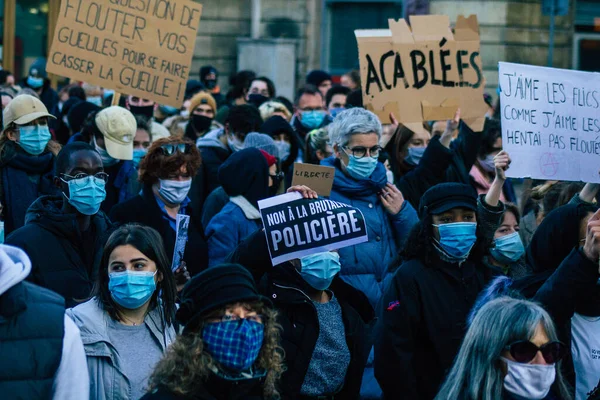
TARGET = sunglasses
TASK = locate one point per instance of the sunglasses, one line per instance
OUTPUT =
(170, 149)
(524, 351)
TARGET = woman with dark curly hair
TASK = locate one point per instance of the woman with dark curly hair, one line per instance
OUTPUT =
(229, 348)
(426, 305)
(166, 173)
(128, 323)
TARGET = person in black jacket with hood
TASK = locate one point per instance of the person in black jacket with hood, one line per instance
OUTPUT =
(166, 173)
(425, 308)
(288, 143)
(326, 322)
(63, 236)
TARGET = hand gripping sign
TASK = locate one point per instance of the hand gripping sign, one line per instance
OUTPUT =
(423, 74)
(297, 227)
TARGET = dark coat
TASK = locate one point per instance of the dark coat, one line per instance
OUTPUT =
(299, 319)
(213, 154)
(424, 319)
(143, 209)
(63, 259)
(213, 205)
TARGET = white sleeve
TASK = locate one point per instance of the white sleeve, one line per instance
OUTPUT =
(72, 380)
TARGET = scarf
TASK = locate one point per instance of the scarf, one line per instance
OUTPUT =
(24, 179)
(353, 188)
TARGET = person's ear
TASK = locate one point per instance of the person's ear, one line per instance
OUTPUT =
(159, 277)
(337, 150)
(11, 134)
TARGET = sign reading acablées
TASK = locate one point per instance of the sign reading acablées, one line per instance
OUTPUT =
(138, 47)
(316, 177)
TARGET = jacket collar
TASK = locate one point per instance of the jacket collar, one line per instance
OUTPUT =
(247, 208)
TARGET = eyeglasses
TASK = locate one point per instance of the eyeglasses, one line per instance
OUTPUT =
(278, 176)
(360, 152)
(170, 149)
(80, 180)
(234, 318)
(524, 351)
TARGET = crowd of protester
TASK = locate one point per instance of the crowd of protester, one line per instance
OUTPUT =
(471, 286)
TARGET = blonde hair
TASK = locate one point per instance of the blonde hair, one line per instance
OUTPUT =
(271, 107)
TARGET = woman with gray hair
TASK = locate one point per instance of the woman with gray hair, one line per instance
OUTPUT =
(511, 351)
(361, 181)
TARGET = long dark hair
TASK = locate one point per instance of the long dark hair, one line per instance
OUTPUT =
(397, 148)
(419, 244)
(147, 241)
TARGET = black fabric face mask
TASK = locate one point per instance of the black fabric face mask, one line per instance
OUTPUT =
(210, 84)
(201, 123)
(145, 111)
(257, 100)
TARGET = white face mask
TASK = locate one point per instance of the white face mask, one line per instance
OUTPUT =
(528, 381)
(234, 143)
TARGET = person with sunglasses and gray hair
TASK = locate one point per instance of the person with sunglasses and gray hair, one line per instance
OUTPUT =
(511, 351)
(361, 181)
(166, 174)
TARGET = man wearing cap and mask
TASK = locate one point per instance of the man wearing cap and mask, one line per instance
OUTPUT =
(202, 109)
(37, 80)
(63, 235)
(26, 158)
(112, 131)
(209, 76)
(146, 108)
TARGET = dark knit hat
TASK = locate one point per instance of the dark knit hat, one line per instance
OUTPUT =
(276, 125)
(446, 196)
(316, 77)
(78, 113)
(214, 288)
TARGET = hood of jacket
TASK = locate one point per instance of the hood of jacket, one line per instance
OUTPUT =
(14, 267)
(246, 173)
(46, 212)
(212, 139)
(351, 187)
(276, 125)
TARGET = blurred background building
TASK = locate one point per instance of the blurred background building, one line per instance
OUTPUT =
(290, 37)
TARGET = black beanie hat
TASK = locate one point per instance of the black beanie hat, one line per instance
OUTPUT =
(275, 126)
(214, 288)
(316, 77)
(78, 113)
(446, 196)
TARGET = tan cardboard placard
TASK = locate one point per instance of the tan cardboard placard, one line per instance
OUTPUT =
(137, 47)
(316, 177)
(423, 74)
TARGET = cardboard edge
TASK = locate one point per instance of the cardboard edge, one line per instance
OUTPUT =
(443, 112)
(427, 28)
(467, 28)
(401, 32)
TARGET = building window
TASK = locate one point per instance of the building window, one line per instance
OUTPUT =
(343, 17)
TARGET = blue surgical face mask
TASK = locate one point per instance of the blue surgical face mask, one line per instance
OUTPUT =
(508, 248)
(456, 240)
(312, 119)
(235, 345)
(131, 289)
(335, 111)
(138, 154)
(33, 139)
(35, 83)
(86, 194)
(283, 148)
(174, 192)
(107, 160)
(361, 168)
(414, 155)
(107, 93)
(96, 100)
(318, 270)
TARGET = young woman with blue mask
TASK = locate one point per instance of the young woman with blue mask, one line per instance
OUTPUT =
(426, 305)
(27, 154)
(128, 323)
(325, 321)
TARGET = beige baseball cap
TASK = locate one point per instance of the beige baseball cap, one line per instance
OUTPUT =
(118, 126)
(23, 109)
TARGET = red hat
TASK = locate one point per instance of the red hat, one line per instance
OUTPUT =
(270, 159)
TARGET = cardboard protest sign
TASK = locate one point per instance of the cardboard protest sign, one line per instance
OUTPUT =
(316, 177)
(138, 47)
(423, 74)
(182, 225)
(551, 122)
(297, 227)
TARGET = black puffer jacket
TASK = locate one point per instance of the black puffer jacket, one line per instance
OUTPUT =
(298, 317)
(63, 259)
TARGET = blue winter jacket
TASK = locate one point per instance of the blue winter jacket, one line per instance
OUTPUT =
(365, 266)
(228, 228)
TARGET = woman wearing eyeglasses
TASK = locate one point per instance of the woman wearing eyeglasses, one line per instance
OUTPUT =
(166, 173)
(229, 348)
(128, 323)
(511, 351)
(63, 235)
(248, 176)
(361, 181)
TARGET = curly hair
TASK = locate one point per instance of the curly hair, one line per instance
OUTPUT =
(156, 165)
(187, 363)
